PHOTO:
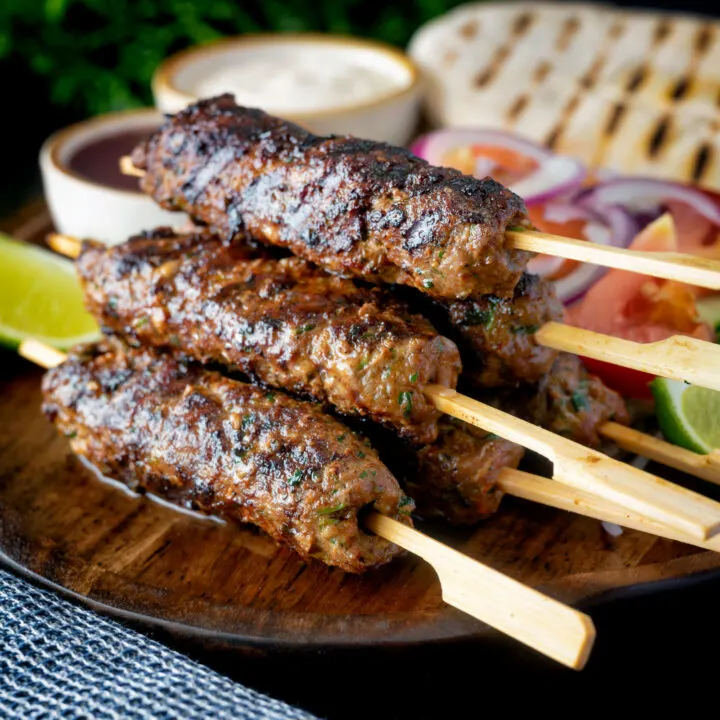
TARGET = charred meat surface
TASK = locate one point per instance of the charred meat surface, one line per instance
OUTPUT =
(573, 403)
(356, 207)
(568, 401)
(226, 448)
(283, 322)
(497, 336)
(456, 477)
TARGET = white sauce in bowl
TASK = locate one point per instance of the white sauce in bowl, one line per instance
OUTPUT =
(291, 77)
(302, 85)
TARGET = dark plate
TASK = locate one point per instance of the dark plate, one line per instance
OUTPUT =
(136, 557)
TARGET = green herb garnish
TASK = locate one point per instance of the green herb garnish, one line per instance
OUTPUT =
(579, 401)
(304, 329)
(363, 364)
(364, 474)
(70, 435)
(340, 438)
(405, 401)
(141, 321)
(270, 396)
(428, 284)
(295, 478)
(414, 377)
(475, 316)
(247, 421)
(525, 329)
(332, 510)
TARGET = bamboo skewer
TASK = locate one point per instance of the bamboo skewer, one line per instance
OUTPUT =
(700, 271)
(706, 467)
(128, 168)
(549, 626)
(585, 469)
(574, 464)
(678, 357)
(548, 492)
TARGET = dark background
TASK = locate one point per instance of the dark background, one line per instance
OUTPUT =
(62, 60)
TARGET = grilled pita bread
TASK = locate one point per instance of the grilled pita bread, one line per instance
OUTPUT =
(633, 91)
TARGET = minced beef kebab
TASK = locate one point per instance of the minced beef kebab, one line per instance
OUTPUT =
(356, 207)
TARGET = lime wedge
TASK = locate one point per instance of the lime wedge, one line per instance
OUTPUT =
(689, 415)
(709, 310)
(40, 298)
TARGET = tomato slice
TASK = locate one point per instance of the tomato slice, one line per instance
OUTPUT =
(505, 165)
(628, 382)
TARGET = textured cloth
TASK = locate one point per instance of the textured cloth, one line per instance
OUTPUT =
(61, 661)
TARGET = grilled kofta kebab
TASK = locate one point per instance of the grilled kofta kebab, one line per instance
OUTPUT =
(204, 441)
(207, 300)
(282, 322)
(293, 326)
(296, 327)
(358, 208)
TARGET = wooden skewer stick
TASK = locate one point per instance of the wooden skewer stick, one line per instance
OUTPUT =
(574, 464)
(548, 492)
(699, 271)
(549, 626)
(706, 467)
(589, 470)
(678, 357)
(128, 168)
(41, 354)
(67, 245)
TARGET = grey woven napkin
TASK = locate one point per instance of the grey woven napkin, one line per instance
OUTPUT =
(61, 661)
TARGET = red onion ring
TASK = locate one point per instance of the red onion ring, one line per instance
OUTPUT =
(640, 195)
(613, 227)
(555, 174)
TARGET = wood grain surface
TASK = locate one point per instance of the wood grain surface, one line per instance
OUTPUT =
(218, 583)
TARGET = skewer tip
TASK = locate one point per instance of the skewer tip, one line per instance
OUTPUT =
(128, 168)
(64, 244)
(41, 354)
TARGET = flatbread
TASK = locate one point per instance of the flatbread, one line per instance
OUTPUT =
(633, 91)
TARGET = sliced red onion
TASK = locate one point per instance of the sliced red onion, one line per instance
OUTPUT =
(555, 175)
(614, 227)
(645, 195)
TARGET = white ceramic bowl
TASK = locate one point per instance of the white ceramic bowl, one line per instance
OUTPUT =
(390, 116)
(86, 208)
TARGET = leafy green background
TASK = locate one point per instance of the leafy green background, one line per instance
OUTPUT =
(99, 55)
(67, 59)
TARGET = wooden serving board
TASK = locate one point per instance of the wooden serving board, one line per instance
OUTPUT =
(133, 556)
